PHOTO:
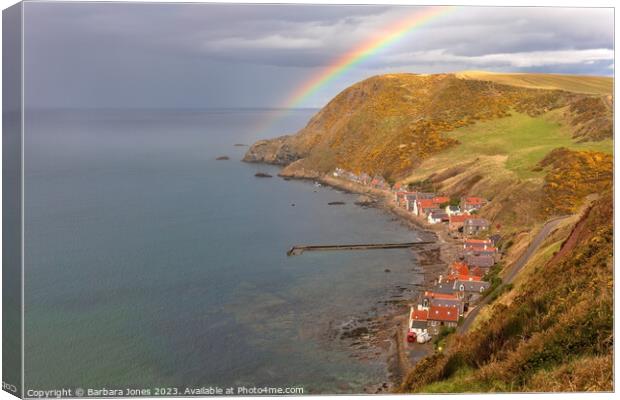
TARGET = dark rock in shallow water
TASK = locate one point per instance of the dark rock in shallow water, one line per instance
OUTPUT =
(355, 333)
(336, 203)
(262, 175)
(274, 151)
(365, 201)
(223, 158)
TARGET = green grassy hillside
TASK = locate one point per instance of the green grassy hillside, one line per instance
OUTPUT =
(522, 140)
(537, 146)
(554, 334)
(390, 124)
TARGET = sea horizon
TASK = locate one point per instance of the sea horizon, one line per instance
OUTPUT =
(133, 231)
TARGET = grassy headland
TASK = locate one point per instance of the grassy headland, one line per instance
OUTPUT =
(537, 146)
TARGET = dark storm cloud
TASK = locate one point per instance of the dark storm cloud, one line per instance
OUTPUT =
(143, 55)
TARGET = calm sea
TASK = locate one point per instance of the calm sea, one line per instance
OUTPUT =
(149, 263)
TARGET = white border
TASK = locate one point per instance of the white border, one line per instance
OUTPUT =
(523, 3)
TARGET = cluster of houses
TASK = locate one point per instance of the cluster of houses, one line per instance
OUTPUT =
(375, 182)
(452, 295)
(439, 209)
(435, 209)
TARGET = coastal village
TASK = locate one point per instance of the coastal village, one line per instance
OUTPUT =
(469, 278)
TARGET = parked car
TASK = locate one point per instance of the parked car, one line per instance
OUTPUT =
(423, 337)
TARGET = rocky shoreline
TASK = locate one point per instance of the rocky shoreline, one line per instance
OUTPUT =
(383, 335)
(433, 260)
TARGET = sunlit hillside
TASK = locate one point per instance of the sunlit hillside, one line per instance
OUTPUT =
(389, 125)
(572, 83)
(538, 147)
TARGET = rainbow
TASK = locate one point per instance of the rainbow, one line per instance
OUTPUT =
(355, 56)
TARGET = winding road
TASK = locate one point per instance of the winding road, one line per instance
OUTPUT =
(514, 270)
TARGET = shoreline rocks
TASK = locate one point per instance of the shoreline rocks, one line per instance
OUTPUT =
(381, 343)
(276, 151)
(366, 201)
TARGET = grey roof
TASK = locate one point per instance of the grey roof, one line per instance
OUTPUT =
(445, 302)
(472, 286)
(439, 214)
(477, 222)
(418, 324)
(454, 208)
(480, 253)
(495, 239)
(480, 261)
(444, 288)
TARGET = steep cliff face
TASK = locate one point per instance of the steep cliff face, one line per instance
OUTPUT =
(554, 332)
(276, 151)
(389, 124)
(536, 147)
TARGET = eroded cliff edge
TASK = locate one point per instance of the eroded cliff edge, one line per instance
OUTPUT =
(388, 125)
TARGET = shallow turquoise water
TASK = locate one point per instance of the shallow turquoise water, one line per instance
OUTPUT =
(149, 263)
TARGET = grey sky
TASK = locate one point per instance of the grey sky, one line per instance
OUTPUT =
(223, 55)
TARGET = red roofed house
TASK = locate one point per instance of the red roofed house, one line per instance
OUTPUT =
(418, 321)
(477, 243)
(428, 294)
(424, 203)
(431, 299)
(441, 200)
(439, 316)
(456, 221)
(459, 268)
(421, 206)
(399, 197)
(469, 204)
(458, 277)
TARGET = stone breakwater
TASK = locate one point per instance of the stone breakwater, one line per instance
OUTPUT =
(381, 336)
